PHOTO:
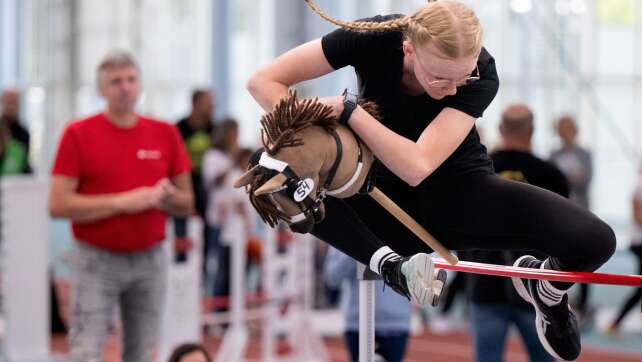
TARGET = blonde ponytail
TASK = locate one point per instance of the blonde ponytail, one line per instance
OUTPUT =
(450, 25)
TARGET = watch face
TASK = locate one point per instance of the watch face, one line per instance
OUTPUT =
(350, 98)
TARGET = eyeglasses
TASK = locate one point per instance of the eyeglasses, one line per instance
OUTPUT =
(443, 83)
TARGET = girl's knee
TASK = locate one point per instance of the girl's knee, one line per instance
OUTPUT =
(600, 244)
(589, 244)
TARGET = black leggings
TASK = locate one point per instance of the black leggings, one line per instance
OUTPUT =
(473, 212)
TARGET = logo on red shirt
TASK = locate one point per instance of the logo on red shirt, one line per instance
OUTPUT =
(148, 154)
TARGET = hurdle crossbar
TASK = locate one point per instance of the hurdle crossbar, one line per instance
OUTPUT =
(545, 274)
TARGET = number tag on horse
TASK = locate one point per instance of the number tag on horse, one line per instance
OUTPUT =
(303, 190)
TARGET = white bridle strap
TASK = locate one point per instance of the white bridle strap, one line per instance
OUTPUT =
(352, 180)
(296, 218)
(272, 163)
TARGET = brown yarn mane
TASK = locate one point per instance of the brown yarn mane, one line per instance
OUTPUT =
(291, 116)
(279, 129)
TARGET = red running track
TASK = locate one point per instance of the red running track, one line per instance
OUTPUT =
(451, 347)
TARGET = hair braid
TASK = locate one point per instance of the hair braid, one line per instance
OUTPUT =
(399, 24)
(450, 25)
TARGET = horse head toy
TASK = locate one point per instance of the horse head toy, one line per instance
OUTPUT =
(307, 155)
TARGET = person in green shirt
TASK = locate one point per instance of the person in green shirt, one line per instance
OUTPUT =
(196, 129)
(13, 155)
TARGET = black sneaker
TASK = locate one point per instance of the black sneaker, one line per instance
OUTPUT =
(557, 327)
(415, 278)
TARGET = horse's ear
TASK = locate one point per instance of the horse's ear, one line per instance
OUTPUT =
(246, 178)
(271, 185)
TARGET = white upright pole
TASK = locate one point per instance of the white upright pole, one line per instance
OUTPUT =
(366, 313)
(309, 341)
(181, 322)
(24, 247)
(238, 280)
(269, 309)
(235, 341)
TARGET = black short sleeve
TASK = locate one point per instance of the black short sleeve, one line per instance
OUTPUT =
(347, 47)
(473, 99)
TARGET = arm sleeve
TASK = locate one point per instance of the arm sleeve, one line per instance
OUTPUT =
(180, 160)
(473, 99)
(346, 47)
(67, 161)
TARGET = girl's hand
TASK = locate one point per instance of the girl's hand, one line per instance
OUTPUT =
(336, 102)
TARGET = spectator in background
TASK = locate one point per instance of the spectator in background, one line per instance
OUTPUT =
(234, 202)
(636, 249)
(190, 352)
(14, 160)
(10, 117)
(218, 161)
(14, 138)
(196, 130)
(495, 305)
(13, 154)
(116, 175)
(577, 165)
(392, 311)
(574, 161)
(236, 217)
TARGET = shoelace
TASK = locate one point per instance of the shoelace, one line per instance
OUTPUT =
(395, 280)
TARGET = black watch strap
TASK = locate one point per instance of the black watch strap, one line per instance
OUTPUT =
(349, 105)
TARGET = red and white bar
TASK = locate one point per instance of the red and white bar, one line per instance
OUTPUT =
(545, 274)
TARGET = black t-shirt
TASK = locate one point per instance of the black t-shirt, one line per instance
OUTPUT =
(377, 58)
(523, 167)
(535, 171)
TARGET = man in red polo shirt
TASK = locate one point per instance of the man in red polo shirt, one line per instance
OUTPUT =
(116, 176)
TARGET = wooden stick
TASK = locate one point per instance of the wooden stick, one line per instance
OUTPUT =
(411, 224)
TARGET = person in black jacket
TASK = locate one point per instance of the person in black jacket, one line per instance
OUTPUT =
(196, 130)
(495, 305)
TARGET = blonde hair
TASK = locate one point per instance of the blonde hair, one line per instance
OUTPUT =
(451, 26)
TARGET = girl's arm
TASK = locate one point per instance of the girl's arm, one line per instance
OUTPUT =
(271, 82)
(413, 161)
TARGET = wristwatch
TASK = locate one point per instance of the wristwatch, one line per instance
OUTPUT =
(349, 105)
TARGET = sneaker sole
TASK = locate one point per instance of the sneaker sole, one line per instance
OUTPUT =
(438, 286)
(523, 292)
(519, 286)
(421, 268)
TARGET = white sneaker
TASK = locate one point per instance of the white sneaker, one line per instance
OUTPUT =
(415, 278)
